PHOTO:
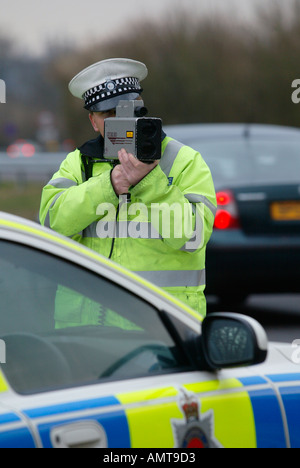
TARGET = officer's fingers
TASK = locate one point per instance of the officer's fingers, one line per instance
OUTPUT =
(120, 187)
(118, 179)
(154, 164)
(132, 160)
(123, 156)
(127, 159)
(141, 165)
(127, 166)
(116, 173)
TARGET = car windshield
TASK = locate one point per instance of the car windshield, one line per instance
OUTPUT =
(250, 160)
(62, 325)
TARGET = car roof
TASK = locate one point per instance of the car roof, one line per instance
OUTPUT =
(49, 241)
(233, 130)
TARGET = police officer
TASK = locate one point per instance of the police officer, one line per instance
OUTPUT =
(162, 231)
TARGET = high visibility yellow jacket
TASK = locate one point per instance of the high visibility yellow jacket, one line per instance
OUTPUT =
(159, 232)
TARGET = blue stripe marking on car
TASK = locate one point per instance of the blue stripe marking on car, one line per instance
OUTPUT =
(284, 377)
(17, 438)
(253, 380)
(115, 426)
(71, 406)
(114, 423)
(268, 419)
(291, 400)
(8, 418)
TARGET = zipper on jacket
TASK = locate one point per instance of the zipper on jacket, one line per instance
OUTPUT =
(114, 234)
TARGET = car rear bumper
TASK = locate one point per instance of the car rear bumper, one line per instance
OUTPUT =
(241, 264)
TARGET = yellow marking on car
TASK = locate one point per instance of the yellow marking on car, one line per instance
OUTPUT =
(213, 385)
(3, 383)
(231, 409)
(147, 395)
(151, 427)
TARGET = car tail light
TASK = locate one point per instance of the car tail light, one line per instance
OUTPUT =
(227, 212)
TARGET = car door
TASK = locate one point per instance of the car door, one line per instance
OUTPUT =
(91, 364)
(15, 431)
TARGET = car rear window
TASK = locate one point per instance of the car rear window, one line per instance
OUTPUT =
(251, 160)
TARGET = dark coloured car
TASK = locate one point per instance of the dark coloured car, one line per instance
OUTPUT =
(255, 246)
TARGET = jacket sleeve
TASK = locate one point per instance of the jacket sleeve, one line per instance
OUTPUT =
(69, 205)
(182, 205)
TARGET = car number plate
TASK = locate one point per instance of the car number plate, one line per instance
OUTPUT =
(286, 211)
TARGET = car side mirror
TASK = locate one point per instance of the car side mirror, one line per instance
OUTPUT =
(232, 340)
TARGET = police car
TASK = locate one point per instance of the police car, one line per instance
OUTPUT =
(156, 377)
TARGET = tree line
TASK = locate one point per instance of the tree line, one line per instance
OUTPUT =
(200, 70)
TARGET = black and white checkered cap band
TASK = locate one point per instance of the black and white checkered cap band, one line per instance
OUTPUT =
(111, 89)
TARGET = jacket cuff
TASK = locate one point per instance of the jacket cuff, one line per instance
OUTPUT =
(152, 186)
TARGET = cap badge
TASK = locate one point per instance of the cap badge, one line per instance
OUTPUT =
(110, 85)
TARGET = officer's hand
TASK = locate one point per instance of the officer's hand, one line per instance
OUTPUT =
(133, 169)
(119, 181)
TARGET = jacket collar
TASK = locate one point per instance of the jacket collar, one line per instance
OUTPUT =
(93, 148)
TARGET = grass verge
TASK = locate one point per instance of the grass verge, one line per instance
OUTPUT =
(22, 200)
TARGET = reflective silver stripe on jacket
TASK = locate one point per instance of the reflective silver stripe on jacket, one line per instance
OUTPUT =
(174, 278)
(170, 154)
(121, 230)
(139, 230)
(172, 149)
(197, 198)
(62, 183)
(196, 241)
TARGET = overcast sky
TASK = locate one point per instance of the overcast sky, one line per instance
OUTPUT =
(33, 23)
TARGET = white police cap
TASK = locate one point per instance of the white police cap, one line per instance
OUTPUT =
(102, 84)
